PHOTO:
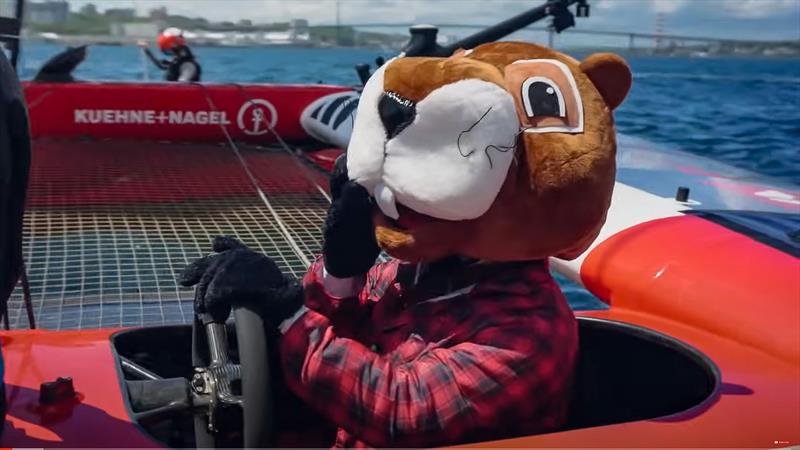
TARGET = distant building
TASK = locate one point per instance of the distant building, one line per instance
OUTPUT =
(47, 13)
(278, 37)
(290, 37)
(89, 9)
(300, 26)
(160, 14)
(7, 9)
(120, 13)
(146, 30)
(299, 32)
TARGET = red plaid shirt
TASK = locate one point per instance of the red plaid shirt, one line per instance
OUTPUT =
(466, 352)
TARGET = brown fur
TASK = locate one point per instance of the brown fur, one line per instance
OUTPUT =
(415, 78)
(556, 193)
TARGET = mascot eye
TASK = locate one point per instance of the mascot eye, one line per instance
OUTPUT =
(546, 96)
(542, 98)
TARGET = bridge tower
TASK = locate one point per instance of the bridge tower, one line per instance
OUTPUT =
(660, 29)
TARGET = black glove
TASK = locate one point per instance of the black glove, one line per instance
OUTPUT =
(349, 248)
(236, 274)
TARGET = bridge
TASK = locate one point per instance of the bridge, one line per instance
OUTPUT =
(632, 36)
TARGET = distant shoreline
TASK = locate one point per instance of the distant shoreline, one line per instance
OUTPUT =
(121, 41)
(114, 41)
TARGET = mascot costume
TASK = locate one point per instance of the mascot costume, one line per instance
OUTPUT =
(469, 171)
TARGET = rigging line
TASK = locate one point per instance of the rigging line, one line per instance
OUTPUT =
(383, 257)
(304, 169)
(281, 225)
(34, 103)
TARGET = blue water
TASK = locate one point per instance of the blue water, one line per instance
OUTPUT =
(745, 112)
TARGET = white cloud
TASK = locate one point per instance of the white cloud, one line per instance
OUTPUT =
(757, 9)
(667, 6)
(605, 4)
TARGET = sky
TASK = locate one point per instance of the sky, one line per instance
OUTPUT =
(743, 19)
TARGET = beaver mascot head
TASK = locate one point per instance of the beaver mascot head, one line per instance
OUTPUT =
(502, 153)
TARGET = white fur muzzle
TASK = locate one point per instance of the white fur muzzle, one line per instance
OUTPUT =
(449, 163)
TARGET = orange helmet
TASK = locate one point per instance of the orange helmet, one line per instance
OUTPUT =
(170, 38)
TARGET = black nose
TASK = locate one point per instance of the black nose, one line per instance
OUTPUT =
(396, 113)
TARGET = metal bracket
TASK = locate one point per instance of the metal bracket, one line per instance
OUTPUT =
(211, 385)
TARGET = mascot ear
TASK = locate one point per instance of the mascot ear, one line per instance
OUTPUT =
(611, 76)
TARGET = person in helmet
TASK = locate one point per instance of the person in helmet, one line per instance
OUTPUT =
(183, 66)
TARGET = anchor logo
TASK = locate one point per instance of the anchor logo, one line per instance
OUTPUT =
(257, 117)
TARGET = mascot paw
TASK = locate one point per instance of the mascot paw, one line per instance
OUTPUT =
(235, 274)
(350, 247)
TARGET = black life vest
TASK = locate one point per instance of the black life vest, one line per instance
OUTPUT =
(182, 56)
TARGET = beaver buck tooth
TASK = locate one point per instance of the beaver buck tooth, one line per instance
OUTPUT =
(385, 199)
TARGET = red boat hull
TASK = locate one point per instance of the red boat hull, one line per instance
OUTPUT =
(96, 418)
(174, 112)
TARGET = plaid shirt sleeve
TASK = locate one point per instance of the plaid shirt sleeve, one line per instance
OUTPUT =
(426, 394)
(341, 300)
(331, 301)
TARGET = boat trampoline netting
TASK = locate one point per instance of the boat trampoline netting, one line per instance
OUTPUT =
(109, 224)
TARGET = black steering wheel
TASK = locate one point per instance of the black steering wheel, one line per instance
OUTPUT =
(220, 386)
